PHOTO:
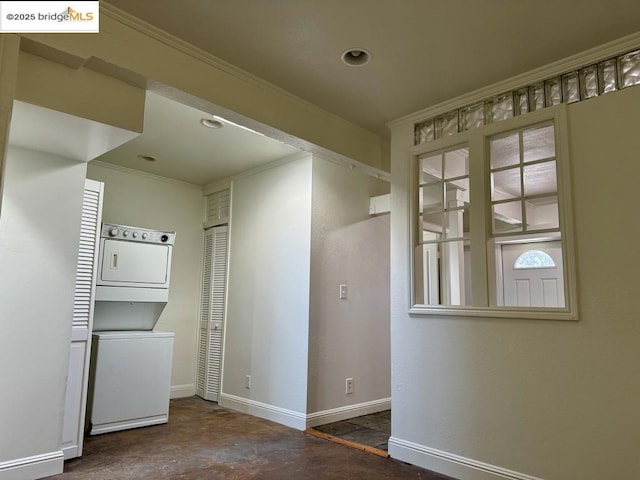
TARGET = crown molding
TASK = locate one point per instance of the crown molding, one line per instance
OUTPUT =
(587, 57)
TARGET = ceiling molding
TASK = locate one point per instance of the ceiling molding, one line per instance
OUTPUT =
(588, 57)
(140, 173)
(218, 185)
(220, 64)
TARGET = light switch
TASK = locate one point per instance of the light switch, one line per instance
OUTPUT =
(343, 292)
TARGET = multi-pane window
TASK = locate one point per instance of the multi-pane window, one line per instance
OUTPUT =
(444, 212)
(487, 199)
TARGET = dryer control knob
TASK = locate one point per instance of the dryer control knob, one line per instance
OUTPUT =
(125, 233)
(113, 232)
(135, 234)
(144, 235)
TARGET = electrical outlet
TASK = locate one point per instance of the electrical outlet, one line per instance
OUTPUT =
(247, 381)
(348, 388)
(343, 292)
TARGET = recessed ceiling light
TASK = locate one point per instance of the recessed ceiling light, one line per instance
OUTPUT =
(147, 158)
(211, 123)
(356, 57)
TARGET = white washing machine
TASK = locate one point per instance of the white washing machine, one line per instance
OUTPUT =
(130, 380)
(130, 369)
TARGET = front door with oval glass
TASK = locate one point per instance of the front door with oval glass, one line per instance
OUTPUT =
(533, 274)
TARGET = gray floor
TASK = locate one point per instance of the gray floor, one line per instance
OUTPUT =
(371, 430)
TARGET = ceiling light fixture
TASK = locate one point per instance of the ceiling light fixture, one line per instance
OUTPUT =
(356, 57)
(147, 158)
(211, 123)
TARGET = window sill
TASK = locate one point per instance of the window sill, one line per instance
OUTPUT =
(554, 314)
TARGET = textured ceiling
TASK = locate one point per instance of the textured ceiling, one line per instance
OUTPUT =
(423, 51)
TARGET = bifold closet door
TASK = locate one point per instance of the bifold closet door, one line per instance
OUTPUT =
(212, 316)
(82, 322)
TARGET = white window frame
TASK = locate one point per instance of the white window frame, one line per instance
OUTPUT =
(483, 278)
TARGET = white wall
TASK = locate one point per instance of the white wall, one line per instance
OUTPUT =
(133, 198)
(268, 293)
(349, 337)
(39, 234)
(554, 400)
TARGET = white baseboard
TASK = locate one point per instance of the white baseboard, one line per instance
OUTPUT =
(348, 411)
(283, 416)
(37, 466)
(450, 464)
(181, 391)
(97, 429)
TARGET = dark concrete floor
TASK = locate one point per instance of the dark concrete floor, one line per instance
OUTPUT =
(372, 430)
(204, 441)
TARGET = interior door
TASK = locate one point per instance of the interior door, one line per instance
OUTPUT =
(82, 322)
(533, 274)
(212, 315)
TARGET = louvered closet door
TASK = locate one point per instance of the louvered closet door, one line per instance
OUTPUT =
(82, 322)
(212, 313)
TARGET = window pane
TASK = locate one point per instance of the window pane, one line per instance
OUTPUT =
(507, 217)
(607, 76)
(540, 178)
(472, 117)
(553, 92)
(457, 223)
(447, 124)
(442, 274)
(521, 101)
(539, 143)
(432, 197)
(570, 88)
(588, 82)
(424, 132)
(542, 213)
(505, 151)
(432, 222)
(629, 66)
(454, 273)
(430, 168)
(500, 108)
(534, 259)
(536, 97)
(456, 163)
(505, 184)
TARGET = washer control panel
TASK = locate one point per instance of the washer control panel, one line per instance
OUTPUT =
(137, 234)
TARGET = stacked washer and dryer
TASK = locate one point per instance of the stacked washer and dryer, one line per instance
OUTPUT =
(130, 373)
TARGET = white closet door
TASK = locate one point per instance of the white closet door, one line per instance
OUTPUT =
(82, 323)
(212, 316)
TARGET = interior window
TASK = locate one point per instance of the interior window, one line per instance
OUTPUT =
(490, 237)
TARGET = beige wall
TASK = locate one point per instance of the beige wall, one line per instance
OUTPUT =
(134, 198)
(554, 400)
(349, 337)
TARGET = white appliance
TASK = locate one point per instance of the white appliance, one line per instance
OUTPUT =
(134, 270)
(130, 375)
